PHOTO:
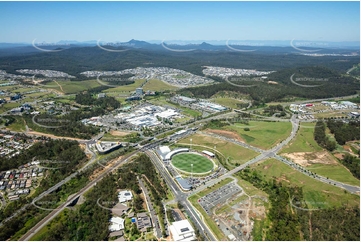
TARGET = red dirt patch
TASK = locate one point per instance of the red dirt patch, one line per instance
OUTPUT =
(338, 156)
(227, 134)
(309, 158)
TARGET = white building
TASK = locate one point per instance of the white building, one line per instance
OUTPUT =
(208, 153)
(125, 196)
(182, 231)
(116, 224)
(349, 104)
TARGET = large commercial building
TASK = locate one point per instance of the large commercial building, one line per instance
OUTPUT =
(208, 106)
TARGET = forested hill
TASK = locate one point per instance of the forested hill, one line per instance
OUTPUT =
(311, 75)
(79, 59)
(315, 82)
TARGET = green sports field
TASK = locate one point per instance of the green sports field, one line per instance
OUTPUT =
(200, 163)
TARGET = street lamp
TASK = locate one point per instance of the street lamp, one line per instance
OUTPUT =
(191, 143)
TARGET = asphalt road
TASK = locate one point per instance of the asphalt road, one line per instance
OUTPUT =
(181, 197)
(56, 211)
(154, 217)
(272, 153)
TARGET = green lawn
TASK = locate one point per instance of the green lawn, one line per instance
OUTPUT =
(304, 141)
(200, 163)
(18, 125)
(316, 193)
(158, 85)
(262, 134)
(126, 88)
(335, 172)
(228, 102)
(24, 89)
(234, 153)
(7, 106)
(72, 86)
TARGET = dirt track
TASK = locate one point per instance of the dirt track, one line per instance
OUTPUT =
(51, 135)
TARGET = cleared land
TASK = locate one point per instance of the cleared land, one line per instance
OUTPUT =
(119, 133)
(200, 163)
(304, 151)
(126, 88)
(316, 193)
(262, 134)
(304, 141)
(234, 153)
(72, 86)
(228, 102)
(158, 85)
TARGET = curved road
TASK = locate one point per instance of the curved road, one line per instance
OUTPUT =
(272, 153)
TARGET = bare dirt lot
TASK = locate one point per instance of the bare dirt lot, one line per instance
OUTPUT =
(51, 135)
(309, 158)
(339, 155)
(227, 134)
(119, 133)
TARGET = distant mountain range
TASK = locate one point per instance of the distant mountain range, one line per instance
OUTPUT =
(231, 46)
(196, 44)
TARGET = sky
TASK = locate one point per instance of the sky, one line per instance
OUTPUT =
(123, 21)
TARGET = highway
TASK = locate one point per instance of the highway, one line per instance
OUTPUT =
(53, 188)
(181, 197)
(179, 194)
(56, 211)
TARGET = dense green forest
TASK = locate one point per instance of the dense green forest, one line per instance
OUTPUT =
(67, 157)
(287, 223)
(78, 59)
(57, 150)
(69, 123)
(344, 132)
(108, 103)
(334, 85)
(89, 221)
(321, 138)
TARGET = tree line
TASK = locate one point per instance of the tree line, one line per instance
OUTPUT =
(321, 138)
(287, 223)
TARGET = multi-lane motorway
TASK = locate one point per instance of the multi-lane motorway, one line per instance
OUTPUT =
(56, 211)
(179, 194)
(181, 197)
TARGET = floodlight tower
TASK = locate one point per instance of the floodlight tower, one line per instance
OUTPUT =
(192, 171)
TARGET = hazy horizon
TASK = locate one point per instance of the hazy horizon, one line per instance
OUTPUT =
(181, 21)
